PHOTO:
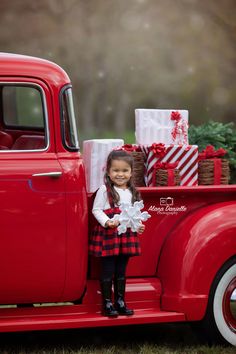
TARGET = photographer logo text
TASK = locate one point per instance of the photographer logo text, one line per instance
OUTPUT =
(167, 206)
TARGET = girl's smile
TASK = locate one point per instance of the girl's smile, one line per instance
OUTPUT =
(120, 173)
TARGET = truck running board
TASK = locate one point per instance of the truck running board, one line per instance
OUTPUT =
(143, 295)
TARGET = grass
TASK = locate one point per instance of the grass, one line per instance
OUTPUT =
(158, 339)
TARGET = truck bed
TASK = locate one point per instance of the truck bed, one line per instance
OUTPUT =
(168, 207)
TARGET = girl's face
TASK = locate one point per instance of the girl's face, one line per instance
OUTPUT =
(120, 173)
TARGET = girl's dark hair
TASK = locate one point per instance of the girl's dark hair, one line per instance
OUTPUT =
(124, 156)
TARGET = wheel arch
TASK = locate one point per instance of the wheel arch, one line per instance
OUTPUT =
(193, 255)
(216, 327)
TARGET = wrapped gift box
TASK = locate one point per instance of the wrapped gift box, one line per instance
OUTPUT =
(186, 157)
(138, 156)
(212, 167)
(166, 174)
(95, 154)
(162, 126)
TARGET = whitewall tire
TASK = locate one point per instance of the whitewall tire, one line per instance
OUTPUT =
(224, 305)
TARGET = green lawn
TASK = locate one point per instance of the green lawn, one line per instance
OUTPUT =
(160, 339)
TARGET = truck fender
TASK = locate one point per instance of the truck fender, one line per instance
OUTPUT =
(193, 254)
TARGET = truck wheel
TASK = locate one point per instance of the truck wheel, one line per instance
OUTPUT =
(219, 323)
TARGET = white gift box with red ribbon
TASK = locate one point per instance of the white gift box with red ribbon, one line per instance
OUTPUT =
(185, 155)
(162, 126)
(95, 154)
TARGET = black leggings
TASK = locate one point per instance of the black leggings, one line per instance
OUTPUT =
(113, 266)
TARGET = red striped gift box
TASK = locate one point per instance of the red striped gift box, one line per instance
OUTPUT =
(187, 157)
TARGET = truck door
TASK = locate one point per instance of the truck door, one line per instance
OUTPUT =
(32, 197)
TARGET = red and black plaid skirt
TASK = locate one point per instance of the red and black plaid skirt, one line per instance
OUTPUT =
(106, 241)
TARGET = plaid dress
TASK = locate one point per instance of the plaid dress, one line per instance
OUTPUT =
(106, 241)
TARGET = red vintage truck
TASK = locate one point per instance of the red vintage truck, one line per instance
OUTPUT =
(187, 270)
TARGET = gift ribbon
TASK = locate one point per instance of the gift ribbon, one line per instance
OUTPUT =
(180, 127)
(169, 167)
(217, 170)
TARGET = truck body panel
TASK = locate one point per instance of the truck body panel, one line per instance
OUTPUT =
(77, 227)
(33, 228)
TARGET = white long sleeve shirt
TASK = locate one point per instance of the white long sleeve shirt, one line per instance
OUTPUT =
(101, 202)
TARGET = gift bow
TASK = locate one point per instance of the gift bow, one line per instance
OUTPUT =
(158, 150)
(170, 167)
(175, 115)
(211, 153)
(130, 148)
(166, 165)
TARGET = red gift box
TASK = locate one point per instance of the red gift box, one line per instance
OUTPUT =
(186, 157)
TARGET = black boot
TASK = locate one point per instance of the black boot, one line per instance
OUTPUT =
(107, 306)
(120, 305)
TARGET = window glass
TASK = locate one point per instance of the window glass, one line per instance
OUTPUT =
(22, 119)
(69, 128)
(22, 106)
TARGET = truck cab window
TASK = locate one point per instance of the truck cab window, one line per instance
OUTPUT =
(22, 106)
(22, 118)
(69, 128)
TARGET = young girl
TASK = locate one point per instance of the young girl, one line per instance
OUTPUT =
(105, 242)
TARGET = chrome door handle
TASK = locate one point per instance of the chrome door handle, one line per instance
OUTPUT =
(48, 174)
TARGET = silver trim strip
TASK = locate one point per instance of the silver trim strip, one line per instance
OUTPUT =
(48, 174)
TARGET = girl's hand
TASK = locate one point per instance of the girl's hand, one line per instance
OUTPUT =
(141, 229)
(112, 223)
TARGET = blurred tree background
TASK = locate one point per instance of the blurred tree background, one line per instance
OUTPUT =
(127, 54)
